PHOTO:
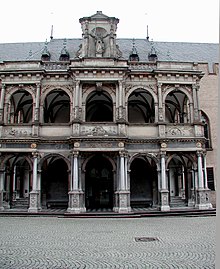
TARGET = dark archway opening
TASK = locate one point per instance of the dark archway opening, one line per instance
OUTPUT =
(143, 183)
(55, 183)
(99, 183)
(99, 107)
(141, 107)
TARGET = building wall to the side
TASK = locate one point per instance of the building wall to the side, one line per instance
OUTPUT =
(208, 96)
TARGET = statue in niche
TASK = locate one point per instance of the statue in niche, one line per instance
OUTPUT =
(99, 34)
(100, 46)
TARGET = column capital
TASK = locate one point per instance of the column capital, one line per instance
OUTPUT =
(35, 154)
(75, 153)
(123, 153)
(199, 153)
(76, 82)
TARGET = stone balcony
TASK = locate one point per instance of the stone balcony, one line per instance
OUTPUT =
(110, 130)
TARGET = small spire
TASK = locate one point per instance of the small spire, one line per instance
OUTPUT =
(51, 33)
(147, 34)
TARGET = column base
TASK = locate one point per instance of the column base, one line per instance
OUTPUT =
(164, 201)
(202, 199)
(33, 206)
(122, 202)
(76, 204)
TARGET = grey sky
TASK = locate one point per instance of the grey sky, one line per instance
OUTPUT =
(168, 20)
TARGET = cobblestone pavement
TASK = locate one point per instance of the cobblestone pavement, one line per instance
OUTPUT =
(52, 242)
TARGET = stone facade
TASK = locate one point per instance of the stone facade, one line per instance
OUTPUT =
(96, 129)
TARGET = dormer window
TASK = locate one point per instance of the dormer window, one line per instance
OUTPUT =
(45, 56)
(152, 56)
(64, 55)
(134, 54)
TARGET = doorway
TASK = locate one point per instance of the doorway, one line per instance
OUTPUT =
(99, 183)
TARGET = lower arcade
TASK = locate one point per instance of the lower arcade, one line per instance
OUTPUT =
(112, 175)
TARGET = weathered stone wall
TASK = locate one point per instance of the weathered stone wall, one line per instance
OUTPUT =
(209, 104)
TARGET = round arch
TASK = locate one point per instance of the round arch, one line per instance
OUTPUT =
(54, 155)
(185, 91)
(11, 90)
(148, 89)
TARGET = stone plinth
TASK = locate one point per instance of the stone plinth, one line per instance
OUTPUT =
(122, 204)
(202, 199)
(164, 200)
(76, 204)
(34, 202)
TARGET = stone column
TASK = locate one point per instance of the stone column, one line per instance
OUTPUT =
(2, 177)
(14, 195)
(34, 194)
(191, 201)
(37, 104)
(121, 114)
(160, 103)
(76, 109)
(164, 193)
(200, 172)
(123, 194)
(202, 197)
(36, 112)
(205, 172)
(76, 195)
(2, 104)
(195, 101)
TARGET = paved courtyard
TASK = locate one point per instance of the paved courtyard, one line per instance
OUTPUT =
(52, 242)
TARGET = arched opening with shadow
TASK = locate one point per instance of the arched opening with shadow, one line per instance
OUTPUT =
(143, 182)
(54, 183)
(177, 108)
(141, 107)
(99, 107)
(207, 132)
(20, 107)
(99, 183)
(181, 180)
(57, 107)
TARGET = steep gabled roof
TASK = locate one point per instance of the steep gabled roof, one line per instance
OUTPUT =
(166, 51)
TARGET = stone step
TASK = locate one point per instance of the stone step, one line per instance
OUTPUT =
(21, 203)
(177, 201)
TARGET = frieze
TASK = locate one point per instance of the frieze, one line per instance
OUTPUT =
(98, 130)
(179, 131)
(98, 145)
(13, 132)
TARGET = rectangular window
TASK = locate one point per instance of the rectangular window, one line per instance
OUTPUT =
(210, 178)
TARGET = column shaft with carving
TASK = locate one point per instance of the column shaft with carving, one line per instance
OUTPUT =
(160, 103)
(76, 195)
(164, 193)
(2, 104)
(123, 194)
(195, 101)
(34, 194)
(202, 197)
(2, 177)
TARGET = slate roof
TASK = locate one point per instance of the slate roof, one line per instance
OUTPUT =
(166, 51)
